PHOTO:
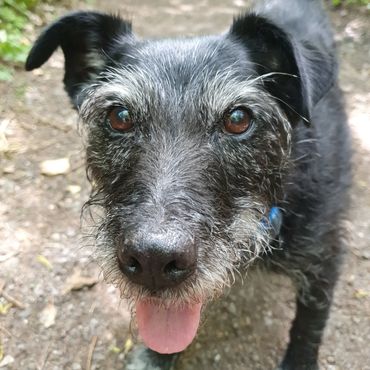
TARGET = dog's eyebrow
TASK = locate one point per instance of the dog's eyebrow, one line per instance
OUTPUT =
(99, 98)
(140, 86)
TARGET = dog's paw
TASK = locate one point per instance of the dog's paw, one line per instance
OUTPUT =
(286, 366)
(142, 358)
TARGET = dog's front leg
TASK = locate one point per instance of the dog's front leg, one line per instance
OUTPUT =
(305, 337)
(314, 298)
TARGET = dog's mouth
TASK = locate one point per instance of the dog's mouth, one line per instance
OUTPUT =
(167, 329)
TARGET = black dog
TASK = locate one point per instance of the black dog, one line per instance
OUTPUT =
(209, 152)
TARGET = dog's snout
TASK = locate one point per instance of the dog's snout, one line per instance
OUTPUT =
(157, 263)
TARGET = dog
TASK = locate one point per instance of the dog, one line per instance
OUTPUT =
(209, 154)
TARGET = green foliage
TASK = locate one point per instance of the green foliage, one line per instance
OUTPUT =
(351, 2)
(14, 16)
(5, 73)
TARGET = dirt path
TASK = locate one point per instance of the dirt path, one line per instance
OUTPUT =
(54, 327)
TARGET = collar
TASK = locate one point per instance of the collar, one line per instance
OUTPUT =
(273, 221)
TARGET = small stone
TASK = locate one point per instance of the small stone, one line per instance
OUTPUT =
(47, 315)
(70, 232)
(255, 357)
(55, 237)
(232, 308)
(73, 189)
(240, 3)
(9, 169)
(338, 325)
(268, 321)
(217, 358)
(331, 360)
(351, 280)
(54, 167)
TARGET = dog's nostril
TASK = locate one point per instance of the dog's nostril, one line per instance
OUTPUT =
(176, 271)
(129, 264)
(173, 268)
(133, 266)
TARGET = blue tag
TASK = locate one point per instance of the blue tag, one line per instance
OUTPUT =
(274, 221)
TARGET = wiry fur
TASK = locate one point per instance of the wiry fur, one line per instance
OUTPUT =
(177, 173)
(180, 161)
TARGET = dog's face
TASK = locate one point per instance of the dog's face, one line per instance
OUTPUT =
(188, 144)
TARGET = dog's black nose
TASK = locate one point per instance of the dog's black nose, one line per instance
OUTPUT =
(157, 263)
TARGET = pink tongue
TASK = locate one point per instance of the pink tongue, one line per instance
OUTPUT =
(167, 330)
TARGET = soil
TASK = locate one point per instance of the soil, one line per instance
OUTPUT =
(56, 323)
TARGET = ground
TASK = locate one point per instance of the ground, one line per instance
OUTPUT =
(50, 321)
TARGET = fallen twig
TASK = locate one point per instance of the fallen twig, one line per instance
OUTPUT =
(7, 256)
(8, 297)
(91, 352)
(6, 331)
(45, 358)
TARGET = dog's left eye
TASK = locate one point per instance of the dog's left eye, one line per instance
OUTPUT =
(237, 121)
(120, 119)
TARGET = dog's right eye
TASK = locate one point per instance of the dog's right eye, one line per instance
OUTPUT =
(237, 121)
(120, 119)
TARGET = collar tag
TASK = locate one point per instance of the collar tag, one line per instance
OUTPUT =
(273, 221)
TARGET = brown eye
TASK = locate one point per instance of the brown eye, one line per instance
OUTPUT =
(120, 119)
(237, 121)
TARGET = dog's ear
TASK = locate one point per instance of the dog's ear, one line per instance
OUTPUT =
(297, 74)
(86, 39)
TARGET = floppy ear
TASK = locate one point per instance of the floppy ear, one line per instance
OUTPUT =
(298, 74)
(86, 39)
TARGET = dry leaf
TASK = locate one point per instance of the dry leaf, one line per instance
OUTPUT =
(44, 261)
(77, 282)
(360, 293)
(128, 345)
(7, 360)
(114, 349)
(53, 167)
(4, 308)
(48, 314)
